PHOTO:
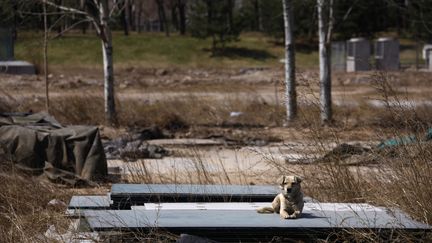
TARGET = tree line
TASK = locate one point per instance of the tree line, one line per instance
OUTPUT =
(223, 21)
(227, 18)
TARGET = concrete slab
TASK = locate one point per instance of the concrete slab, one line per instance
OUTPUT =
(79, 203)
(126, 195)
(254, 205)
(144, 189)
(17, 67)
(318, 220)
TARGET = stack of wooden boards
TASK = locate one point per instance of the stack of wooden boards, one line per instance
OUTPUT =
(228, 213)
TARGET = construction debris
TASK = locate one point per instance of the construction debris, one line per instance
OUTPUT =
(132, 151)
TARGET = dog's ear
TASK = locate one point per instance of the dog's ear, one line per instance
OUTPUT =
(281, 180)
(298, 179)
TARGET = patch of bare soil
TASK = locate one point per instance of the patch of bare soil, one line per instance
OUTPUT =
(233, 136)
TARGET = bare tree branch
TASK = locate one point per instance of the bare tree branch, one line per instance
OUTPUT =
(67, 9)
(69, 28)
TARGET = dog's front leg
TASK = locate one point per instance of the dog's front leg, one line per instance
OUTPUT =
(296, 213)
(276, 204)
(283, 204)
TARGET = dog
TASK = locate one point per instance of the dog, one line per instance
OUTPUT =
(289, 203)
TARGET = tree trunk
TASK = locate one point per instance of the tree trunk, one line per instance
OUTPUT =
(182, 16)
(324, 32)
(174, 17)
(230, 15)
(162, 16)
(45, 57)
(107, 50)
(138, 15)
(15, 20)
(259, 17)
(131, 14)
(109, 82)
(290, 82)
(58, 20)
(82, 8)
(125, 17)
(417, 61)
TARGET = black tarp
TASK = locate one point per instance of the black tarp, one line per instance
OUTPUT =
(37, 143)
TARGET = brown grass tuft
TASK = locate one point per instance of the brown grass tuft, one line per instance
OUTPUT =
(24, 212)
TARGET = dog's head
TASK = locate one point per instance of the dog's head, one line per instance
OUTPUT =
(290, 185)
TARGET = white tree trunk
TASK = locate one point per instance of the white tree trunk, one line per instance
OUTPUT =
(100, 21)
(107, 50)
(324, 32)
(290, 82)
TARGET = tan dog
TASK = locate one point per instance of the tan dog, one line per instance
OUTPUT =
(289, 204)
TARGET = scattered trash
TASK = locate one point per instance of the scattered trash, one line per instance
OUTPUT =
(56, 203)
(141, 149)
(236, 113)
(358, 155)
(74, 234)
(133, 146)
(409, 139)
(348, 154)
(397, 141)
(346, 150)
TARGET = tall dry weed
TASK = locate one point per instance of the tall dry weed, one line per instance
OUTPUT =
(397, 177)
(25, 215)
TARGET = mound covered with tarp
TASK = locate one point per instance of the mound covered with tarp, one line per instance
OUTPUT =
(37, 143)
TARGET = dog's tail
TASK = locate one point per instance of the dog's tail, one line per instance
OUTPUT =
(265, 210)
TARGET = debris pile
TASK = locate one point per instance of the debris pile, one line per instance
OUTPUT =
(348, 154)
(134, 146)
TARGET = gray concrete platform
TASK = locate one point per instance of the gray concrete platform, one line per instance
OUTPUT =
(79, 203)
(17, 67)
(126, 195)
(225, 224)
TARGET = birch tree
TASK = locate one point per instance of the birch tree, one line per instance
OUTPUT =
(104, 32)
(290, 82)
(98, 13)
(325, 28)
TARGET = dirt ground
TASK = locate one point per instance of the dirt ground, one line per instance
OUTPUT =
(152, 85)
(191, 152)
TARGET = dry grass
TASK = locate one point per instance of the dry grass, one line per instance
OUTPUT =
(24, 212)
(170, 113)
(400, 179)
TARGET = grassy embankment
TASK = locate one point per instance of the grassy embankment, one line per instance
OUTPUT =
(155, 50)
